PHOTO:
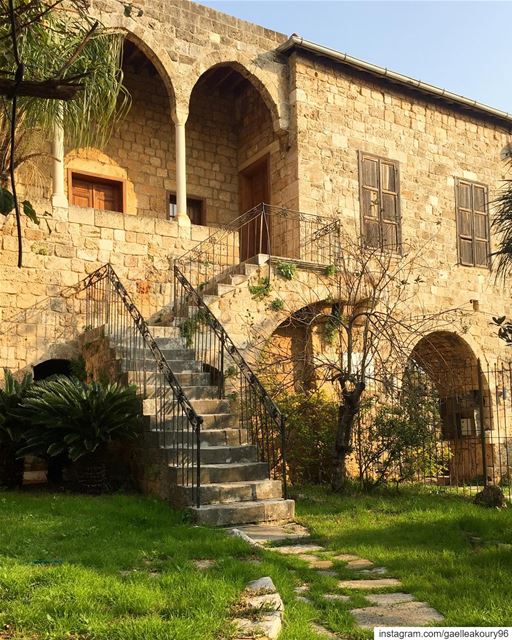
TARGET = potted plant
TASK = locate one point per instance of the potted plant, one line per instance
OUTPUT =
(11, 429)
(78, 418)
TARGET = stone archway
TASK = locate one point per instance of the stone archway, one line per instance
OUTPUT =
(465, 404)
(233, 156)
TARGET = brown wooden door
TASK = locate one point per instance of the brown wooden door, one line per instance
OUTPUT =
(255, 190)
(95, 192)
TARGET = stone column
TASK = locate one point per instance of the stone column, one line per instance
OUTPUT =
(180, 118)
(59, 198)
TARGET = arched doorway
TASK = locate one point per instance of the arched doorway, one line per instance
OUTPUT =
(449, 364)
(56, 366)
(232, 157)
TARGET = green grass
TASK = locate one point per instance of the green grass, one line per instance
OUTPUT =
(121, 567)
(448, 552)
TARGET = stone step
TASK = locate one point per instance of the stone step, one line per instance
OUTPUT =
(219, 515)
(221, 473)
(177, 366)
(208, 406)
(185, 378)
(212, 454)
(214, 437)
(151, 405)
(232, 492)
(210, 421)
(221, 289)
(145, 354)
(193, 392)
(159, 331)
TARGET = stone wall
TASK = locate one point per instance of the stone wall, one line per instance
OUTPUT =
(339, 114)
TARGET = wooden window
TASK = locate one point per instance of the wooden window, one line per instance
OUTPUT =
(195, 209)
(472, 223)
(380, 202)
(96, 192)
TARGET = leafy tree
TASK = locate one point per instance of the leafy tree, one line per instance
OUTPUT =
(368, 326)
(57, 65)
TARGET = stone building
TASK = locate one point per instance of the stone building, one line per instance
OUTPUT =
(226, 115)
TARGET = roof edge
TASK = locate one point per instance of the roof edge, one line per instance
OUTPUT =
(297, 42)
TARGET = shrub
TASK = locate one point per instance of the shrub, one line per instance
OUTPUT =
(12, 429)
(286, 269)
(277, 304)
(311, 430)
(261, 290)
(69, 416)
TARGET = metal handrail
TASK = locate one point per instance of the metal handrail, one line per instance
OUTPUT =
(227, 345)
(107, 272)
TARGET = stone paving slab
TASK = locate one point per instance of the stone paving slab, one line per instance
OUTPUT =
(360, 563)
(407, 614)
(264, 533)
(389, 598)
(381, 583)
(315, 562)
(346, 557)
(297, 549)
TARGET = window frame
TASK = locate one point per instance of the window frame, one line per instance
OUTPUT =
(98, 178)
(362, 155)
(190, 196)
(472, 183)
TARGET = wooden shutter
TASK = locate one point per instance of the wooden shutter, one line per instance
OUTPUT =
(380, 212)
(389, 206)
(195, 209)
(472, 224)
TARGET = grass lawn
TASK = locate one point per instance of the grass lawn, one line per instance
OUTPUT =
(122, 567)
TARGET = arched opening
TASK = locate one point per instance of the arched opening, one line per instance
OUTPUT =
(135, 173)
(446, 362)
(49, 469)
(56, 366)
(233, 157)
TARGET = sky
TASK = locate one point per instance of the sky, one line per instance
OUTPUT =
(461, 46)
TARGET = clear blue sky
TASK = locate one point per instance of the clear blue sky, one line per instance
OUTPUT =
(465, 47)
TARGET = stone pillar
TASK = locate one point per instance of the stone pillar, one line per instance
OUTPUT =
(59, 198)
(180, 118)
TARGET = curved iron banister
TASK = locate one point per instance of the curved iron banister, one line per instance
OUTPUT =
(107, 272)
(193, 297)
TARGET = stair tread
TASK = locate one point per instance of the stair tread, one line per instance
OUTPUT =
(246, 504)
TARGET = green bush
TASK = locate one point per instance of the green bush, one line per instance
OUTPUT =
(261, 290)
(311, 430)
(68, 415)
(286, 269)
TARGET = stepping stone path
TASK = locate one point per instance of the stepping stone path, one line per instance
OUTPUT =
(260, 612)
(392, 608)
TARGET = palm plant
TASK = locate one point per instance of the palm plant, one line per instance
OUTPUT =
(502, 224)
(12, 428)
(80, 419)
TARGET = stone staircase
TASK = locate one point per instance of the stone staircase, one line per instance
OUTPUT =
(235, 488)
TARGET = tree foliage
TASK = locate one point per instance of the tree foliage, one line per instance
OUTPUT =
(51, 49)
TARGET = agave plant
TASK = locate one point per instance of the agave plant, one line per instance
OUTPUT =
(70, 416)
(12, 429)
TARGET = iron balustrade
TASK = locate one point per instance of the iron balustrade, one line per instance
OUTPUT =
(233, 378)
(175, 423)
(264, 230)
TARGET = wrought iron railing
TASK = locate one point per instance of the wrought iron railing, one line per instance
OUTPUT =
(265, 230)
(174, 420)
(233, 377)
